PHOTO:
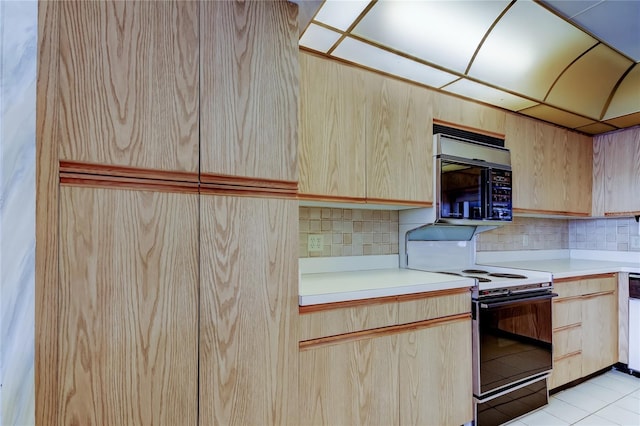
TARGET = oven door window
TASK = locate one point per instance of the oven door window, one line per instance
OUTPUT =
(515, 342)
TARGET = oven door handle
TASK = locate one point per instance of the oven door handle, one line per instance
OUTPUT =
(517, 301)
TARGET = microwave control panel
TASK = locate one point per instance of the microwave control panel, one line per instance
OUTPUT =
(500, 184)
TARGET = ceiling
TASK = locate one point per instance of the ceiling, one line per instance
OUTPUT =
(572, 63)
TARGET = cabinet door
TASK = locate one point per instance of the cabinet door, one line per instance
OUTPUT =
(435, 375)
(526, 161)
(129, 84)
(332, 137)
(399, 141)
(248, 311)
(128, 307)
(578, 173)
(599, 332)
(621, 171)
(350, 383)
(249, 89)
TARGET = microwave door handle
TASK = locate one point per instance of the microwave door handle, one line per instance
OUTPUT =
(516, 301)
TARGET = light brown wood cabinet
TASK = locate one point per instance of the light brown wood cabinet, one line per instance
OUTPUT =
(585, 327)
(363, 137)
(167, 279)
(552, 168)
(387, 370)
(247, 106)
(128, 87)
(128, 297)
(616, 173)
(248, 303)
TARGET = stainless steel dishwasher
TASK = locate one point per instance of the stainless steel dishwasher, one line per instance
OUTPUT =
(634, 322)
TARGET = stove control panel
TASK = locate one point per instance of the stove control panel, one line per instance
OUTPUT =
(506, 291)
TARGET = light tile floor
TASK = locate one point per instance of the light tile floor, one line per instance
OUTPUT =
(610, 399)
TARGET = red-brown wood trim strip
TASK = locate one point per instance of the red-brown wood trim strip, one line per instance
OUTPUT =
(242, 181)
(569, 355)
(583, 277)
(125, 171)
(241, 191)
(550, 212)
(308, 309)
(379, 332)
(399, 202)
(331, 198)
(98, 181)
(467, 128)
(567, 299)
(598, 294)
(613, 214)
(567, 327)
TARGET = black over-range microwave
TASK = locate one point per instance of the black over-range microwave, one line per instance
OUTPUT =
(473, 181)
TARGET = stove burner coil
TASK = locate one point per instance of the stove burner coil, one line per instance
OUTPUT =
(480, 279)
(449, 273)
(505, 275)
(475, 271)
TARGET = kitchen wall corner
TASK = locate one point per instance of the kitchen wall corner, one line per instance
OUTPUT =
(18, 59)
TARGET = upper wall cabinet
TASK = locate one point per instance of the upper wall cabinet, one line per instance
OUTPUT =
(616, 173)
(129, 84)
(249, 102)
(363, 137)
(399, 142)
(551, 168)
(464, 114)
(332, 137)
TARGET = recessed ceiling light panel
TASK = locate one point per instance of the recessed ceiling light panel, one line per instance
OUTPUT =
(446, 33)
(319, 38)
(340, 14)
(626, 99)
(473, 90)
(528, 49)
(373, 57)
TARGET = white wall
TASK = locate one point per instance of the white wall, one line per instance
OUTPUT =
(18, 58)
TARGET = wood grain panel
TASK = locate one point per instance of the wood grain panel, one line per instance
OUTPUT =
(399, 140)
(433, 307)
(565, 370)
(622, 170)
(332, 137)
(347, 320)
(249, 88)
(248, 311)
(567, 340)
(47, 198)
(129, 83)
(578, 171)
(598, 188)
(566, 312)
(600, 332)
(473, 115)
(436, 376)
(353, 383)
(128, 307)
(522, 139)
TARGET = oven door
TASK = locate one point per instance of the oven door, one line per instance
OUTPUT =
(511, 340)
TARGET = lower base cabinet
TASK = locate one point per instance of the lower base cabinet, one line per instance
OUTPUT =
(585, 328)
(408, 374)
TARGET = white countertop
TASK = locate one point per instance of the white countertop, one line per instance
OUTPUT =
(330, 287)
(570, 267)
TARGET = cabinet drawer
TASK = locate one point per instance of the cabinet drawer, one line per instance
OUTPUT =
(566, 370)
(567, 340)
(567, 312)
(598, 285)
(425, 308)
(568, 288)
(332, 322)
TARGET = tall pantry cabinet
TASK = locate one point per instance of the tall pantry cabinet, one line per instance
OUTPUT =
(166, 256)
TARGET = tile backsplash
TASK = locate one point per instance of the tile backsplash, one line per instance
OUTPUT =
(603, 234)
(361, 232)
(526, 234)
(349, 232)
